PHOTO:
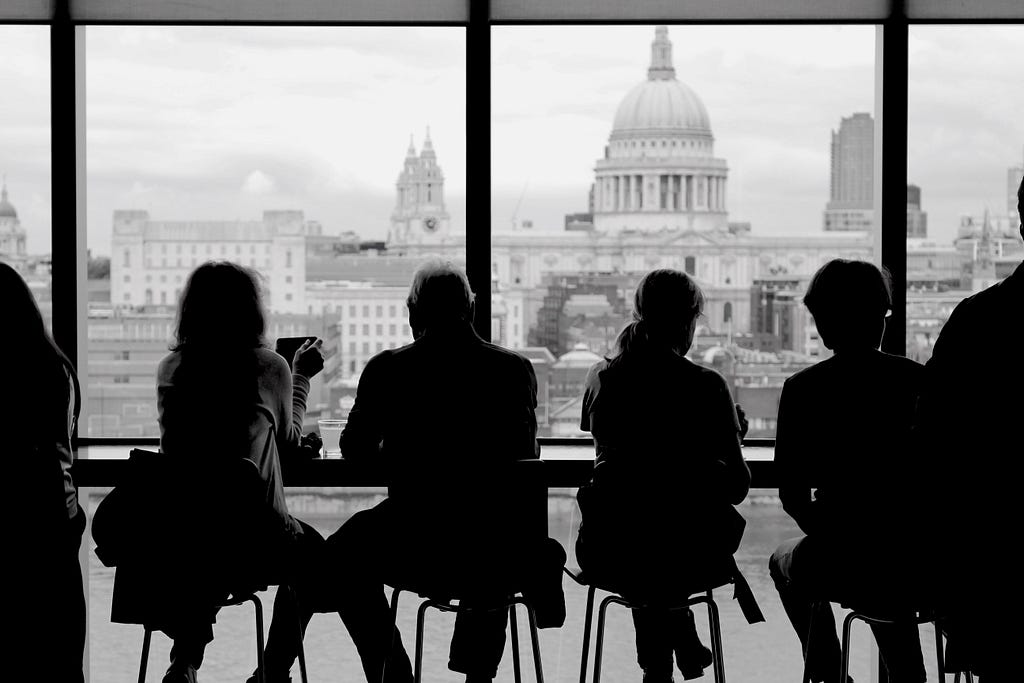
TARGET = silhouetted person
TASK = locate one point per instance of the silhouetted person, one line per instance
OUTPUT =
(446, 415)
(845, 467)
(39, 405)
(223, 396)
(658, 516)
(970, 422)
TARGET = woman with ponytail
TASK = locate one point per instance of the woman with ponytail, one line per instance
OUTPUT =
(659, 518)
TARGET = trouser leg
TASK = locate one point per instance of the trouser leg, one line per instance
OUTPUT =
(189, 642)
(793, 567)
(354, 553)
(70, 648)
(296, 601)
(478, 641)
(653, 640)
(900, 648)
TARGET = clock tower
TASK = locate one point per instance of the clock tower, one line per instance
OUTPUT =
(419, 216)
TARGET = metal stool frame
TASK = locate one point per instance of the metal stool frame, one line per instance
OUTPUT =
(448, 606)
(919, 619)
(715, 626)
(234, 601)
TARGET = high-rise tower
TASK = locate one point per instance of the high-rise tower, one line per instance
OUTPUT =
(851, 204)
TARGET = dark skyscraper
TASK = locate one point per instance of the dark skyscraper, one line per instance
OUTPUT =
(850, 206)
(917, 220)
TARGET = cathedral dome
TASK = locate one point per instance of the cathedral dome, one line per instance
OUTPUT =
(6, 208)
(661, 104)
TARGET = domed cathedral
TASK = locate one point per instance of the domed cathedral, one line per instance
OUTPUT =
(12, 236)
(659, 171)
(419, 216)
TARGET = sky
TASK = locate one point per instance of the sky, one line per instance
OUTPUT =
(211, 123)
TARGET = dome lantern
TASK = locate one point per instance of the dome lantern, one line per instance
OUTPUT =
(7, 209)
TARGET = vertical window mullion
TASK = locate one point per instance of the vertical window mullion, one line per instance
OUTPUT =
(478, 161)
(68, 259)
(894, 172)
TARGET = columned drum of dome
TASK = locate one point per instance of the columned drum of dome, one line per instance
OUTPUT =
(659, 172)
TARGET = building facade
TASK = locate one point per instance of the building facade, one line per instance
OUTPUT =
(150, 260)
(12, 235)
(917, 220)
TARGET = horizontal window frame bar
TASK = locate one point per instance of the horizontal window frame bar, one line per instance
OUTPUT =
(105, 473)
(150, 441)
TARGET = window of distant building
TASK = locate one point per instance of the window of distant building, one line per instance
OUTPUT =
(366, 330)
(352, 330)
(288, 259)
(727, 312)
(380, 330)
(366, 311)
(690, 265)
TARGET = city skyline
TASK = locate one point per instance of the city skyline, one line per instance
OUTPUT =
(589, 70)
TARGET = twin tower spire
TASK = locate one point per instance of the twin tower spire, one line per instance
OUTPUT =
(428, 146)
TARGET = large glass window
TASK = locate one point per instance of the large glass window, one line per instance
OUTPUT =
(328, 160)
(966, 159)
(742, 155)
(25, 157)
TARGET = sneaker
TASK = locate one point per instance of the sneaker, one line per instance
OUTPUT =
(180, 673)
(693, 661)
(270, 679)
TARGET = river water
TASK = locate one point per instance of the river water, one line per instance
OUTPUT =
(767, 652)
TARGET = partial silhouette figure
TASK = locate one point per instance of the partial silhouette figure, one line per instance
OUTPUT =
(658, 515)
(222, 398)
(39, 405)
(446, 416)
(845, 470)
(969, 420)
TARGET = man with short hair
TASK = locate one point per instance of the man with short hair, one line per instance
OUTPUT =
(446, 416)
(969, 420)
(843, 457)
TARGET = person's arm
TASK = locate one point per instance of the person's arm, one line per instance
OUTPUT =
(790, 463)
(734, 475)
(364, 431)
(294, 391)
(531, 419)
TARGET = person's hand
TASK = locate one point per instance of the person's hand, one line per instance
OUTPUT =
(744, 423)
(309, 358)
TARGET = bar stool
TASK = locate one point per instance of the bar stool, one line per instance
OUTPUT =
(450, 604)
(717, 660)
(919, 618)
(233, 601)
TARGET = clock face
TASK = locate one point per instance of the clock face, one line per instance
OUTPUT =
(430, 224)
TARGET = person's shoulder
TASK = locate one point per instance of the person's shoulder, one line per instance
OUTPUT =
(167, 365)
(822, 371)
(271, 362)
(499, 355)
(901, 364)
(708, 377)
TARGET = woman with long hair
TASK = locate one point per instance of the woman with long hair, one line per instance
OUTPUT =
(39, 406)
(212, 390)
(658, 516)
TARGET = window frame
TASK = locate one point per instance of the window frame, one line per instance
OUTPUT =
(892, 18)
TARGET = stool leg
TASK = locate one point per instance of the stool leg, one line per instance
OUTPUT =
(298, 626)
(587, 621)
(261, 672)
(394, 621)
(940, 663)
(718, 657)
(514, 628)
(421, 617)
(599, 645)
(807, 645)
(146, 640)
(535, 640)
(844, 666)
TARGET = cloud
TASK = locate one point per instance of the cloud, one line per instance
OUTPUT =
(258, 183)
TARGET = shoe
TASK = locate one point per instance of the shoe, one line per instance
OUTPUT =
(693, 661)
(180, 673)
(269, 679)
(659, 677)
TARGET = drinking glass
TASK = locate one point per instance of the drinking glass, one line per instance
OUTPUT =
(330, 434)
